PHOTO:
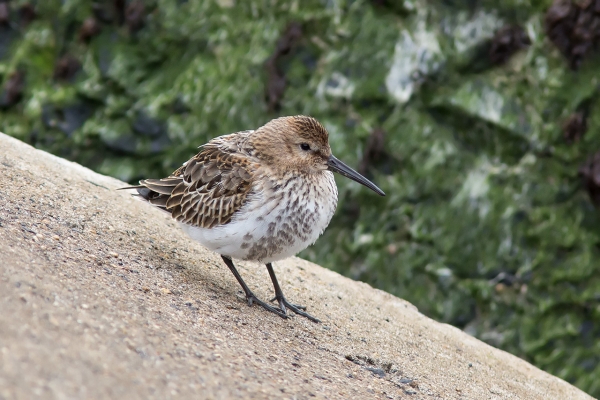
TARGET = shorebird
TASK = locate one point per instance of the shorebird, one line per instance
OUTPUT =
(259, 195)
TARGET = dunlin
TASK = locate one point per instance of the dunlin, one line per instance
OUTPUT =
(261, 195)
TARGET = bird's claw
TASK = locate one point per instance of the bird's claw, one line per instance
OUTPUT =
(298, 309)
(293, 305)
(251, 298)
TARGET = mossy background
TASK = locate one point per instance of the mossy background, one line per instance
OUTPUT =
(485, 226)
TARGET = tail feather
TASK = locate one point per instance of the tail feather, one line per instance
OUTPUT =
(162, 186)
(156, 191)
(131, 187)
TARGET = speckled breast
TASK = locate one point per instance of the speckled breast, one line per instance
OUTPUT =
(280, 219)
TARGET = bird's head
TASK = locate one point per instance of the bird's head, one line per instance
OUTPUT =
(301, 144)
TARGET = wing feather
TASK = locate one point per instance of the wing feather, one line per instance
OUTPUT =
(208, 189)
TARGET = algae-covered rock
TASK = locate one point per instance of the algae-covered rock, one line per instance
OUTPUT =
(480, 120)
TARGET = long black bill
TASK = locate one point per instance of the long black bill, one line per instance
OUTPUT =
(336, 165)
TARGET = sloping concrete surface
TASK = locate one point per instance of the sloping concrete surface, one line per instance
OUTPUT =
(102, 296)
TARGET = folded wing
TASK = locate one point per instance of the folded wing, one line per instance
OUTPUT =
(207, 190)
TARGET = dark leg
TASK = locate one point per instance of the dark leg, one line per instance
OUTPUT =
(249, 295)
(283, 303)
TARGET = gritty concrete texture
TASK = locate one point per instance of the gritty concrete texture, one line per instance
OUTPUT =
(102, 296)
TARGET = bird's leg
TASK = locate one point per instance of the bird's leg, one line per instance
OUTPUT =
(283, 303)
(249, 295)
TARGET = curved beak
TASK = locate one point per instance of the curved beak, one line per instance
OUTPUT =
(336, 165)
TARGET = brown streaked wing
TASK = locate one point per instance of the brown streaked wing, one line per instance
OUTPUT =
(207, 190)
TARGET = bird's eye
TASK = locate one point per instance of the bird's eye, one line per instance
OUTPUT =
(305, 146)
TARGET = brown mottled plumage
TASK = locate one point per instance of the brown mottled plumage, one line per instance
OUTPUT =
(207, 190)
(259, 195)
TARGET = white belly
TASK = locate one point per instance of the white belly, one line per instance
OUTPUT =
(272, 226)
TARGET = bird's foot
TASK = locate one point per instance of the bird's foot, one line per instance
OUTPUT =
(298, 309)
(291, 304)
(251, 298)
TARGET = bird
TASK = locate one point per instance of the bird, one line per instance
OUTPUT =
(257, 195)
